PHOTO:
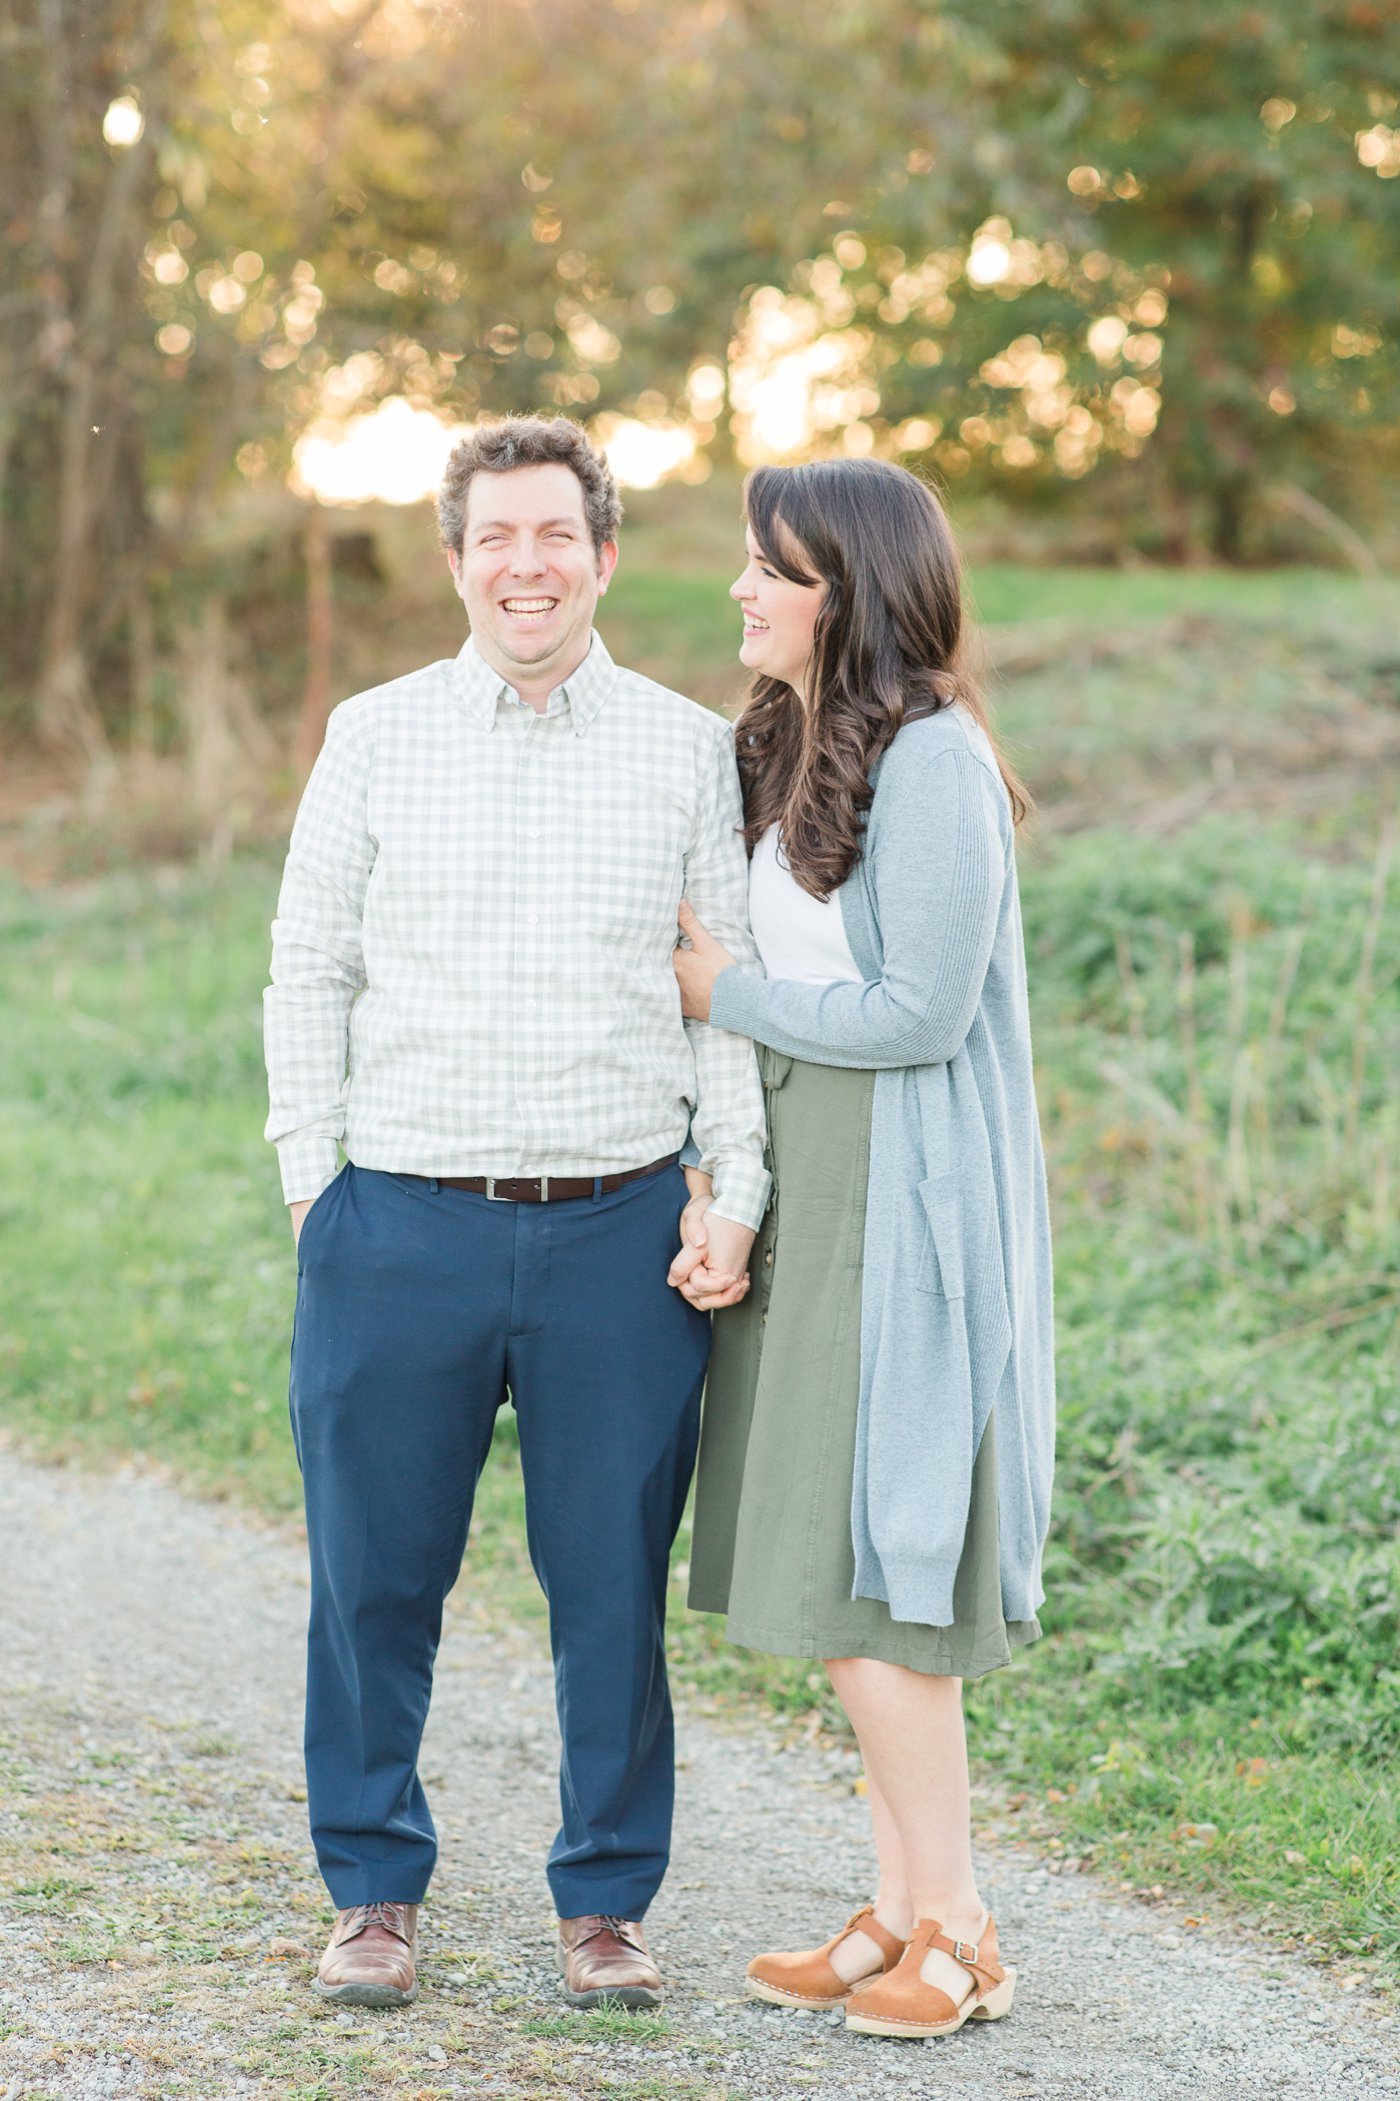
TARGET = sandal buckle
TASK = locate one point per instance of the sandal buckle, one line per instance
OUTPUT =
(966, 1951)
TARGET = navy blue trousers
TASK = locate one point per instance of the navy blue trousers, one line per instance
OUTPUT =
(417, 1308)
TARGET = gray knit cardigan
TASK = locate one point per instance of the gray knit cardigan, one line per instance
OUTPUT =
(956, 1313)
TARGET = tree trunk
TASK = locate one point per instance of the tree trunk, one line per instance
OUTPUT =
(141, 657)
(84, 337)
(65, 712)
(320, 609)
(210, 747)
(1228, 510)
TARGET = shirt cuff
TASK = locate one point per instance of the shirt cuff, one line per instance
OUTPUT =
(741, 1191)
(308, 1165)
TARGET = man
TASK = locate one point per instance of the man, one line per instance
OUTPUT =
(472, 994)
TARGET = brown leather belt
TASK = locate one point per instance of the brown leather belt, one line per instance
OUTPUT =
(545, 1189)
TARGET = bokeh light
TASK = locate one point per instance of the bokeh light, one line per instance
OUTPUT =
(396, 452)
(123, 123)
(642, 455)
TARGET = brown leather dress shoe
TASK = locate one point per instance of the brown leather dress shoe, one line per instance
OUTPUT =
(371, 1956)
(606, 1962)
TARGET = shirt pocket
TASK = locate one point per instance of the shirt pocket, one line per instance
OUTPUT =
(941, 1266)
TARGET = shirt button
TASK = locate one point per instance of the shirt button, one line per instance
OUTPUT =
(532, 832)
(534, 919)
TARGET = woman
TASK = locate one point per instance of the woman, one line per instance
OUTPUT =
(875, 1461)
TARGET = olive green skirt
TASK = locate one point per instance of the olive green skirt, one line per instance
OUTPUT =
(771, 1545)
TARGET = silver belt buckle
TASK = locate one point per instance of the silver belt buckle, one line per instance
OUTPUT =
(543, 1181)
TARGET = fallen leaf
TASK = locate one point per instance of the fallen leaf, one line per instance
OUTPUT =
(1197, 1834)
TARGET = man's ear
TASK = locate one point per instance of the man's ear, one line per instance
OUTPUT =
(454, 563)
(607, 562)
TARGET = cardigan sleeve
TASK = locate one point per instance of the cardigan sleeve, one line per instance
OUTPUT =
(937, 868)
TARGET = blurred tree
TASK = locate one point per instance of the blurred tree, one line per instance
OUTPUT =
(290, 211)
(77, 168)
(568, 202)
(1222, 170)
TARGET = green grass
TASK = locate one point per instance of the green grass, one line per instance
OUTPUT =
(604, 2024)
(679, 625)
(1216, 1707)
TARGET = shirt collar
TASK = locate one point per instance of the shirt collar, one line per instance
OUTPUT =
(480, 688)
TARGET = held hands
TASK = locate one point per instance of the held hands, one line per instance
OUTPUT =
(698, 966)
(711, 1269)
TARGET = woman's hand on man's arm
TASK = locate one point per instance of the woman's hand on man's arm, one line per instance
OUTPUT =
(697, 966)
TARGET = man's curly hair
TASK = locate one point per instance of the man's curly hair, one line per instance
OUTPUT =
(529, 441)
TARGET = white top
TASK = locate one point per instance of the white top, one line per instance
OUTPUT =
(471, 965)
(799, 936)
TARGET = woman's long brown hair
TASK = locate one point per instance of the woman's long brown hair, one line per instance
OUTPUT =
(889, 647)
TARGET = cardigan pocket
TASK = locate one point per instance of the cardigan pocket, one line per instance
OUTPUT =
(941, 1267)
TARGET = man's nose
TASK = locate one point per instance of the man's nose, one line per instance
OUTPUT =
(526, 560)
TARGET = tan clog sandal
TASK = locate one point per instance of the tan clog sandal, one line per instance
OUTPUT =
(808, 1979)
(900, 2003)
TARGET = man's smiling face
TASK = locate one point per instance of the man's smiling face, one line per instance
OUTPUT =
(528, 572)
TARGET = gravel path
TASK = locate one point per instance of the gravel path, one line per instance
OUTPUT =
(163, 1912)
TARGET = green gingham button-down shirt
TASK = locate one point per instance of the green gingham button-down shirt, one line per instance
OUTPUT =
(471, 961)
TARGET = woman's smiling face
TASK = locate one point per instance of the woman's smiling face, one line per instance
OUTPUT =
(780, 617)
